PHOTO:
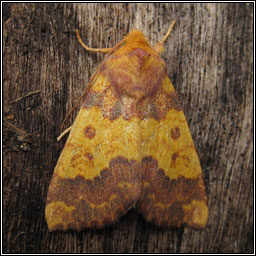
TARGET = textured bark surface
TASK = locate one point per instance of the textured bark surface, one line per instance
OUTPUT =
(209, 56)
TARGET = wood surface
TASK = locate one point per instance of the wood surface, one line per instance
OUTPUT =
(209, 58)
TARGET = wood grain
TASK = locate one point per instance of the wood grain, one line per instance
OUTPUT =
(209, 56)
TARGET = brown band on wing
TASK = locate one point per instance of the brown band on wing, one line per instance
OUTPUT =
(161, 199)
(113, 107)
(100, 201)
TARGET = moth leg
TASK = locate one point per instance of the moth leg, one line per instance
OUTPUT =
(63, 133)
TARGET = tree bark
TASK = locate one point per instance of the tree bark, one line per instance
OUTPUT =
(209, 57)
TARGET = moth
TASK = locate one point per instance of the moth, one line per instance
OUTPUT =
(129, 147)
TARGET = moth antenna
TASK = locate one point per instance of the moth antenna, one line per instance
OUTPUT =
(86, 90)
(168, 32)
(70, 112)
(159, 47)
(103, 50)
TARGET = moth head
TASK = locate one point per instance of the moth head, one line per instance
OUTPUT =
(136, 37)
